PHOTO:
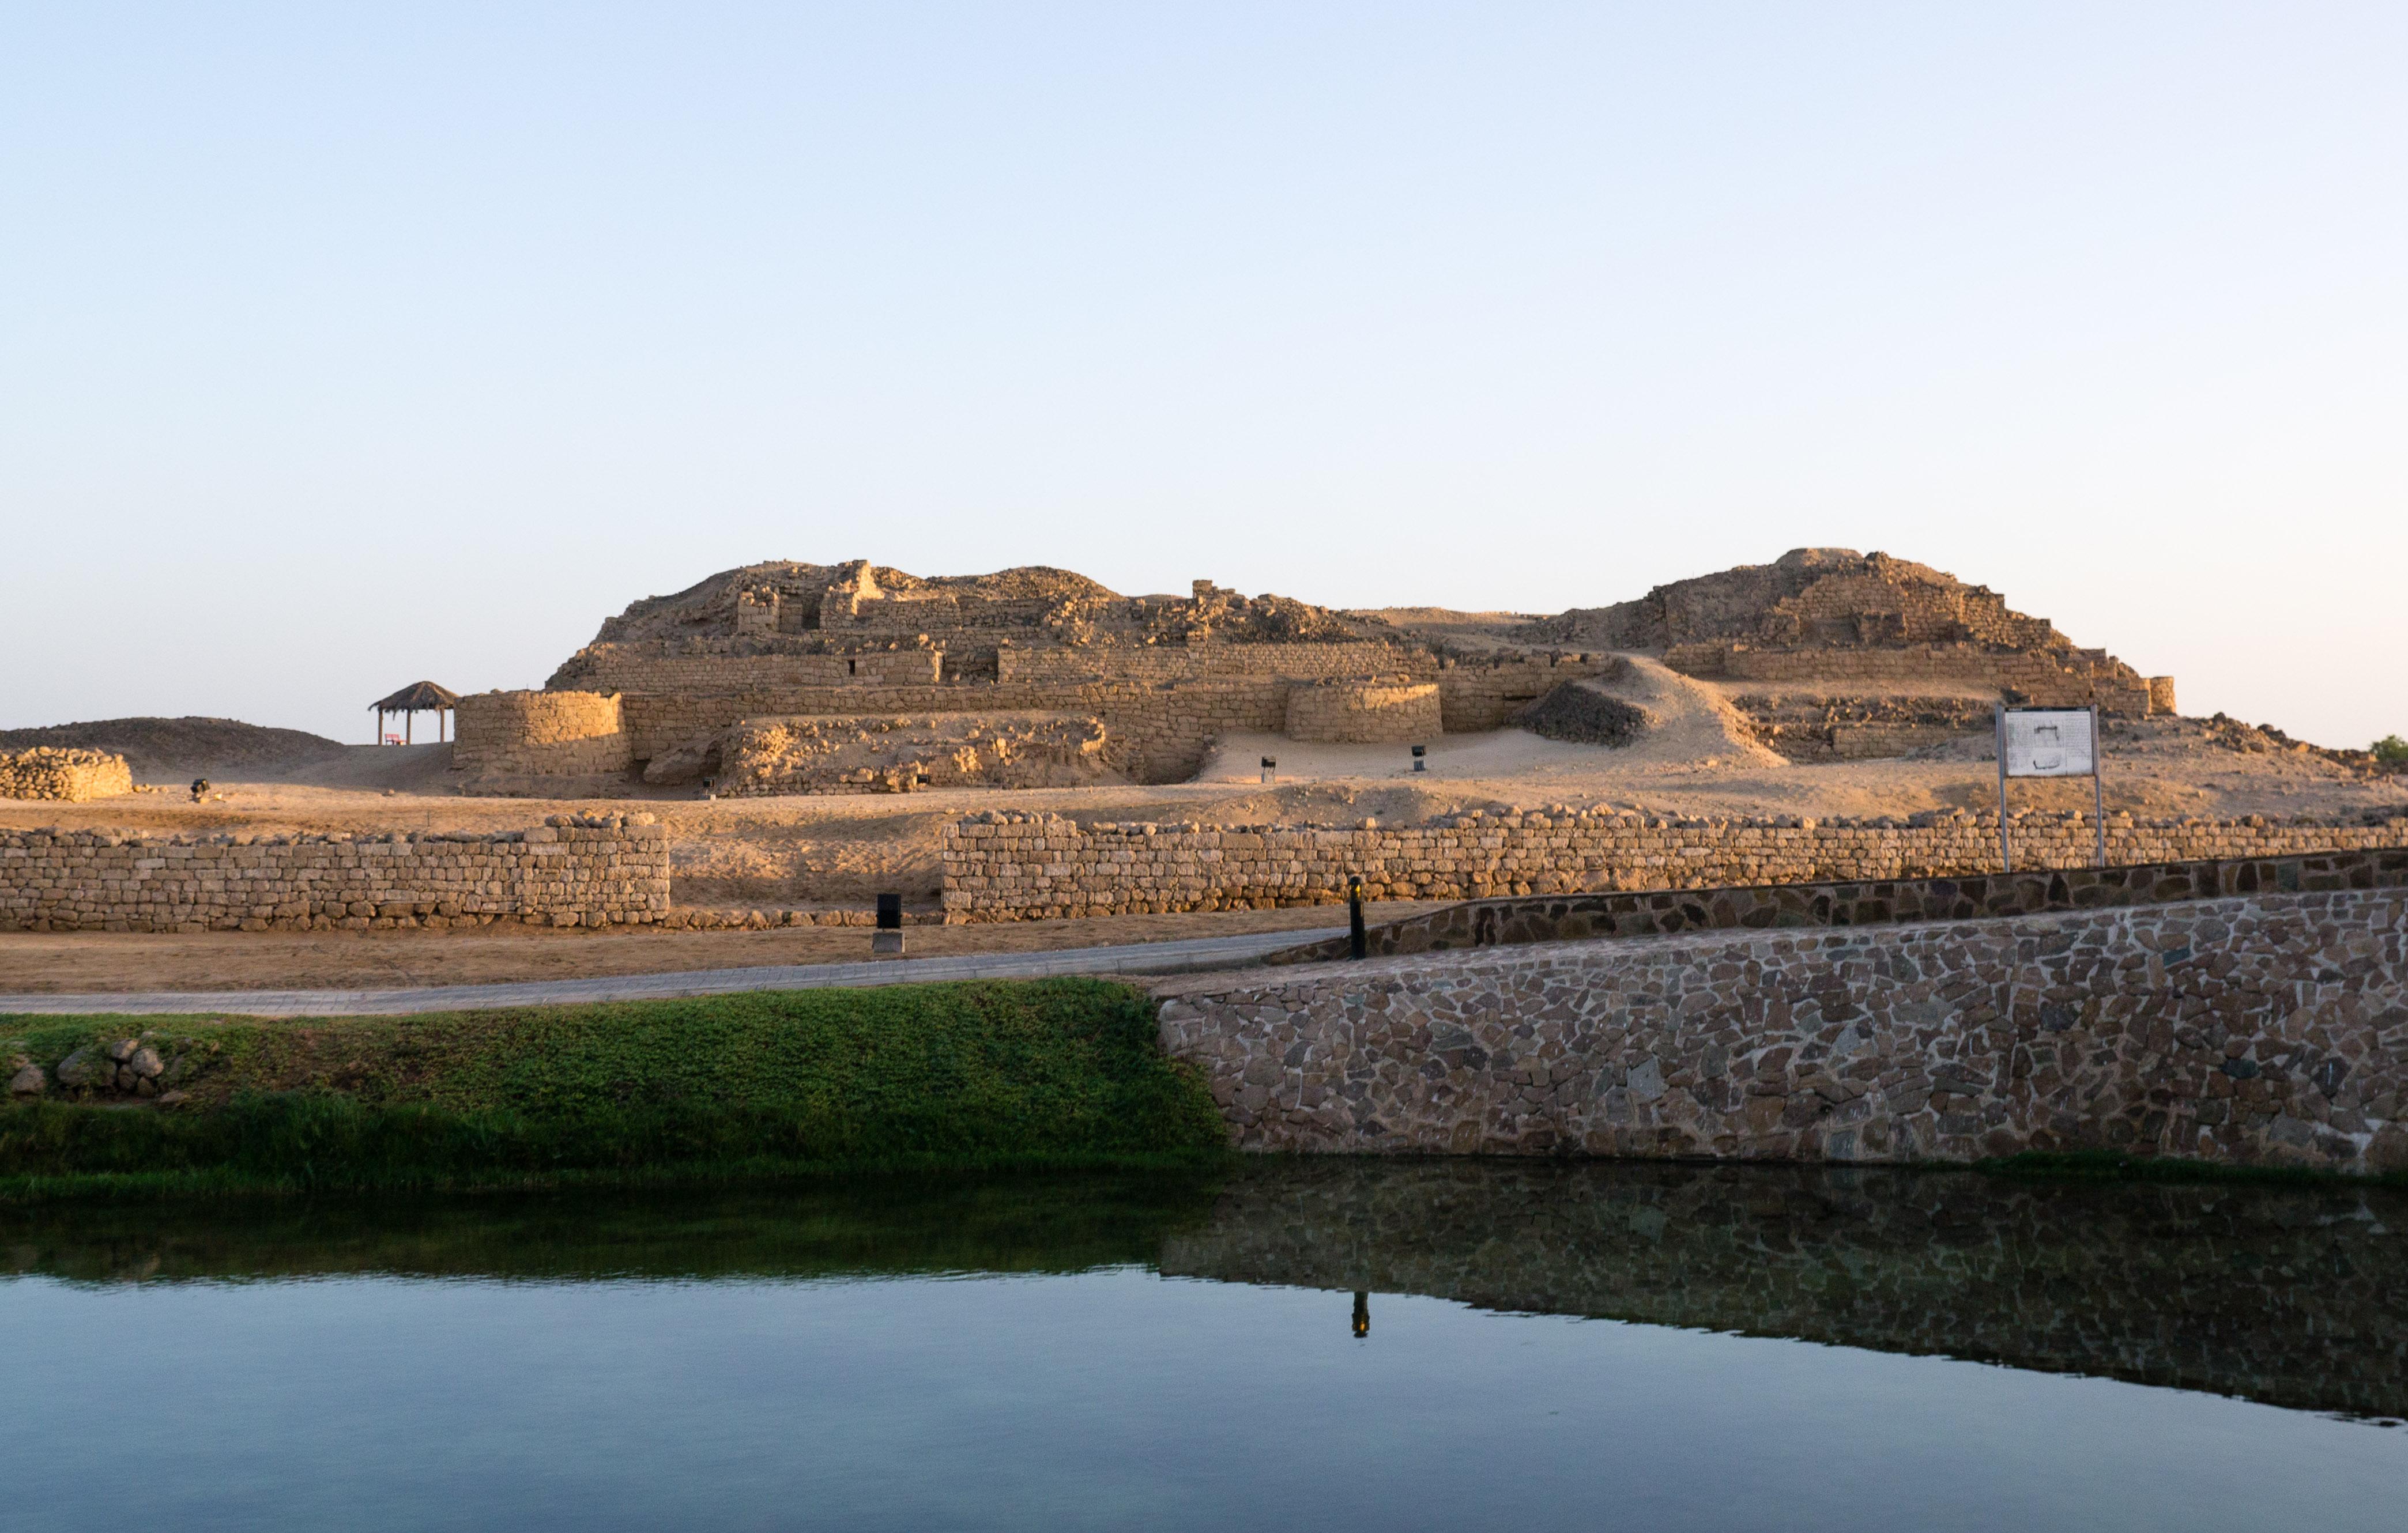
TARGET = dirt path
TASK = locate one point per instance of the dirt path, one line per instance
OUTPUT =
(49, 962)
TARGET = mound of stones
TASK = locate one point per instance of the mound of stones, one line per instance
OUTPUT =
(128, 1067)
(68, 774)
(1585, 716)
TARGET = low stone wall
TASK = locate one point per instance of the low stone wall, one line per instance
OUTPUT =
(1004, 866)
(1571, 918)
(2271, 1028)
(1364, 712)
(69, 775)
(574, 870)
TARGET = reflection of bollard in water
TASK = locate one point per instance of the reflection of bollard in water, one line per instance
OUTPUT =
(1270, 767)
(1421, 758)
(889, 936)
(1362, 1312)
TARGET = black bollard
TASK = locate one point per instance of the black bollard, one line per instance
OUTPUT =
(1356, 946)
(1362, 1312)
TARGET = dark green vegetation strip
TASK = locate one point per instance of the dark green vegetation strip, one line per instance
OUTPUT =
(832, 1227)
(1051, 1072)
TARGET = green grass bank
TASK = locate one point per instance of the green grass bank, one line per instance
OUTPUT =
(983, 1074)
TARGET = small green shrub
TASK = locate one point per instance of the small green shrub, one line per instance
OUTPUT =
(2391, 751)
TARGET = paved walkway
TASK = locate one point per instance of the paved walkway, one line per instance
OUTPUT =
(1193, 955)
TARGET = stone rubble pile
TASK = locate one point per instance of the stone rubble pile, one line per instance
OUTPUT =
(130, 1066)
(73, 776)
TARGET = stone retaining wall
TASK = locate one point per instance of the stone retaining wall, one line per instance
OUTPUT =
(2048, 677)
(1564, 918)
(68, 775)
(2271, 1028)
(664, 668)
(1004, 866)
(1364, 712)
(574, 870)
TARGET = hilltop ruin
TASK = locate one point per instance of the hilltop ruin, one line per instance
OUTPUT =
(871, 678)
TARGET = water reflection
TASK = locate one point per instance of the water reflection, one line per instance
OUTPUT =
(2292, 1297)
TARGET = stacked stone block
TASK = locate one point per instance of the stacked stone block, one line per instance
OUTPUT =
(1006, 866)
(573, 871)
(2045, 678)
(69, 775)
(1364, 712)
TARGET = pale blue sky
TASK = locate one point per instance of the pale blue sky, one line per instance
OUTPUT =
(343, 346)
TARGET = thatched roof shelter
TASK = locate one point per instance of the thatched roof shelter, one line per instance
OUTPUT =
(417, 698)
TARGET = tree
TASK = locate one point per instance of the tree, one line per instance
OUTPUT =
(2392, 751)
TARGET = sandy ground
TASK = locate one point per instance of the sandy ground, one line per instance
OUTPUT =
(54, 962)
(842, 850)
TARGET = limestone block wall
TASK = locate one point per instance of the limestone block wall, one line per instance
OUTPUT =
(1162, 732)
(540, 732)
(659, 668)
(573, 871)
(655, 722)
(1477, 692)
(2055, 678)
(2271, 1029)
(1364, 712)
(1158, 663)
(1870, 606)
(71, 775)
(1004, 866)
(1154, 732)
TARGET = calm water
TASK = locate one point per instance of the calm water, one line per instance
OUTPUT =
(1547, 1348)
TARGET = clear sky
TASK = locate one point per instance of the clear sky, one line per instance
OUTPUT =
(342, 346)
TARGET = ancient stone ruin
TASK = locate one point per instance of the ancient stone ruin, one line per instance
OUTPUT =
(798, 678)
(1863, 655)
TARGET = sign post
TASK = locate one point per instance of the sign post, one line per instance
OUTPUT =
(2050, 742)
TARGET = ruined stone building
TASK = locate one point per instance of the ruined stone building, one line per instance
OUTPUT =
(791, 677)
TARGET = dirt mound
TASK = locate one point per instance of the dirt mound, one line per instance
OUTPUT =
(1694, 725)
(155, 747)
(1585, 716)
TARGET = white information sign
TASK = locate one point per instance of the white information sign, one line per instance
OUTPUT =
(2050, 742)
